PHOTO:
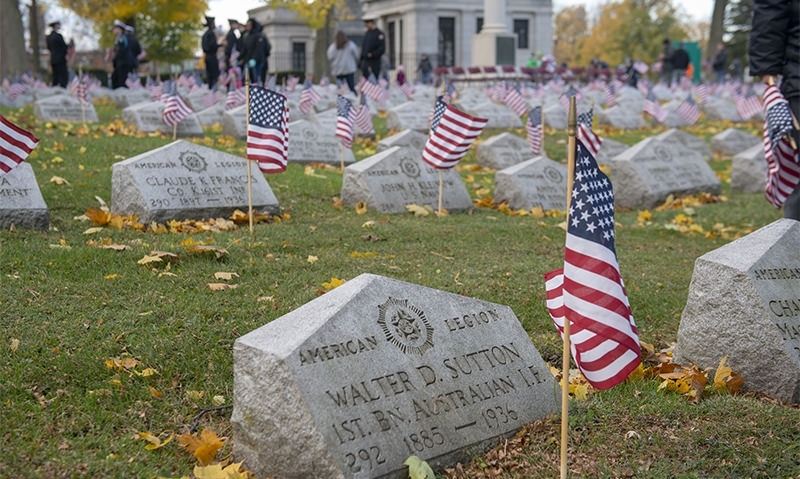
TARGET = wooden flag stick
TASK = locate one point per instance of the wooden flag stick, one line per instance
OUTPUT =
(441, 189)
(247, 162)
(572, 126)
(341, 157)
(80, 100)
(541, 150)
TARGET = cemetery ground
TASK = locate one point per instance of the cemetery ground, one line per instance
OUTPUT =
(109, 357)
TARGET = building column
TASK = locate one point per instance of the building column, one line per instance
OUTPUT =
(494, 45)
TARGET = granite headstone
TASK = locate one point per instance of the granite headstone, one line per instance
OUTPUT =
(64, 108)
(146, 117)
(21, 201)
(749, 170)
(538, 182)
(645, 174)
(410, 138)
(354, 382)
(183, 180)
(309, 143)
(411, 115)
(733, 141)
(503, 150)
(744, 303)
(608, 150)
(394, 178)
(692, 142)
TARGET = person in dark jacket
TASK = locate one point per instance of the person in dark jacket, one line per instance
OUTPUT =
(58, 55)
(210, 47)
(666, 62)
(231, 42)
(123, 57)
(136, 48)
(255, 50)
(720, 63)
(680, 62)
(372, 49)
(774, 53)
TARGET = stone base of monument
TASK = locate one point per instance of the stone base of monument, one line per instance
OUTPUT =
(394, 178)
(744, 303)
(354, 382)
(183, 180)
(21, 203)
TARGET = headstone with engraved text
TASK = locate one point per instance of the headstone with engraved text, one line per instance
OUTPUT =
(183, 180)
(410, 138)
(503, 150)
(538, 182)
(64, 108)
(733, 141)
(309, 143)
(411, 115)
(744, 303)
(147, 118)
(21, 201)
(354, 382)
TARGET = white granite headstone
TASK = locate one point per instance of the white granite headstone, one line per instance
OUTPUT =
(744, 303)
(648, 172)
(622, 117)
(354, 382)
(64, 108)
(183, 180)
(410, 138)
(499, 116)
(733, 141)
(410, 115)
(309, 143)
(392, 179)
(146, 117)
(21, 201)
(608, 150)
(538, 182)
(692, 142)
(749, 170)
(503, 151)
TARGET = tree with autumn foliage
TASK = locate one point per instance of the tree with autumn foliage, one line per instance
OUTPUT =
(167, 29)
(631, 28)
(570, 33)
(321, 16)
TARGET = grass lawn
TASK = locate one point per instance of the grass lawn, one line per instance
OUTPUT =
(98, 348)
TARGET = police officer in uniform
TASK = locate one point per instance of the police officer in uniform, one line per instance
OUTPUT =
(58, 55)
(372, 49)
(210, 47)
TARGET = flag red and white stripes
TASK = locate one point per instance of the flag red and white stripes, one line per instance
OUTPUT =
(533, 127)
(15, 145)
(363, 117)
(688, 110)
(514, 100)
(308, 97)
(452, 133)
(588, 291)
(345, 115)
(268, 130)
(235, 98)
(783, 170)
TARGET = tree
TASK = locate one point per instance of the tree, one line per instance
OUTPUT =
(717, 25)
(571, 31)
(321, 16)
(12, 39)
(167, 29)
(632, 28)
(738, 23)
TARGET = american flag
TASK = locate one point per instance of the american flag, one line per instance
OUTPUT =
(210, 99)
(588, 291)
(344, 121)
(783, 171)
(15, 90)
(702, 93)
(611, 94)
(590, 140)
(291, 82)
(534, 129)
(308, 97)
(372, 89)
(571, 91)
(175, 109)
(407, 89)
(452, 133)
(363, 118)
(652, 107)
(15, 145)
(268, 130)
(78, 88)
(514, 100)
(748, 104)
(235, 98)
(688, 110)
(450, 92)
(155, 91)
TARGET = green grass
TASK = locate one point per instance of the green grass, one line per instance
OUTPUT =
(73, 306)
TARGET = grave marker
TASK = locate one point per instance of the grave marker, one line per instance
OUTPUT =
(21, 201)
(146, 117)
(63, 108)
(503, 151)
(538, 182)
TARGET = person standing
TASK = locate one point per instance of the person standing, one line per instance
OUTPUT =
(210, 47)
(680, 62)
(425, 69)
(58, 55)
(123, 57)
(343, 58)
(720, 63)
(372, 49)
(254, 51)
(774, 53)
(136, 49)
(231, 42)
(666, 62)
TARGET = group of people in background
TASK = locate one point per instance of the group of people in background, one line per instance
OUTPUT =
(244, 47)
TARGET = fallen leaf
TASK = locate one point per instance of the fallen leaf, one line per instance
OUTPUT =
(221, 286)
(14, 344)
(204, 447)
(225, 276)
(333, 283)
(204, 248)
(153, 441)
(59, 180)
(418, 469)
(361, 207)
(216, 471)
(312, 259)
(155, 392)
(418, 210)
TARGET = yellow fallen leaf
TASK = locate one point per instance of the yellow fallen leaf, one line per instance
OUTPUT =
(579, 390)
(204, 447)
(312, 259)
(14, 344)
(226, 276)
(155, 392)
(112, 276)
(333, 283)
(216, 471)
(418, 210)
(93, 230)
(221, 286)
(418, 469)
(153, 441)
(726, 378)
(194, 396)
(361, 207)
(59, 180)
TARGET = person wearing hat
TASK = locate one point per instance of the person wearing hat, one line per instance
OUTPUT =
(136, 47)
(231, 42)
(210, 48)
(123, 57)
(58, 55)
(372, 49)
(255, 51)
